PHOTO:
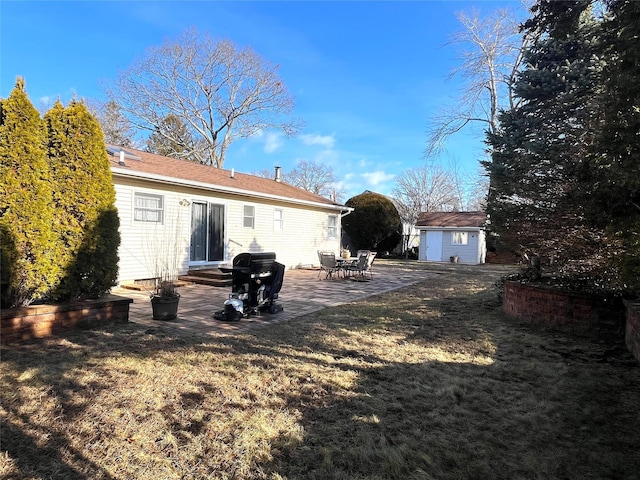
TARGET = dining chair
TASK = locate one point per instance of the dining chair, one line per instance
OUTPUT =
(327, 264)
(360, 266)
(370, 259)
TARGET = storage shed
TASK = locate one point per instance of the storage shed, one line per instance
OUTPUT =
(452, 237)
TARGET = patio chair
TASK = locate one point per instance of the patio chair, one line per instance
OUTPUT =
(327, 264)
(370, 259)
(361, 265)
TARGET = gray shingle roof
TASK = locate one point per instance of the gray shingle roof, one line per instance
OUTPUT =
(151, 166)
(451, 219)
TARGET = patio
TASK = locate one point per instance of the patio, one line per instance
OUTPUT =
(302, 293)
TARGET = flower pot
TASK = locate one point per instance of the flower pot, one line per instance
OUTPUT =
(165, 308)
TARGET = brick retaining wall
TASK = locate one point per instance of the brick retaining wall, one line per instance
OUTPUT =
(570, 312)
(632, 331)
(39, 321)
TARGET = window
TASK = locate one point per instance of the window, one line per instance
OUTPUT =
(332, 227)
(459, 238)
(249, 216)
(148, 207)
(278, 219)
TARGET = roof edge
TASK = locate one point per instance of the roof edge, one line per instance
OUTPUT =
(125, 173)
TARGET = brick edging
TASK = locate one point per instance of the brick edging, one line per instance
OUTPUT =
(575, 313)
(40, 321)
(632, 328)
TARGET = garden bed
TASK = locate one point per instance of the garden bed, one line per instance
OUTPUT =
(39, 321)
(597, 316)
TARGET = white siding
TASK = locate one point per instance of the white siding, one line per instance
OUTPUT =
(466, 253)
(144, 244)
(473, 252)
(304, 230)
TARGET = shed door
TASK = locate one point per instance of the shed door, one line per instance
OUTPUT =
(434, 246)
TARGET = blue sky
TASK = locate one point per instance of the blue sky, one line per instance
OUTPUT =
(366, 76)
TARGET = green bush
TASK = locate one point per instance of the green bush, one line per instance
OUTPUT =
(28, 268)
(374, 223)
(84, 199)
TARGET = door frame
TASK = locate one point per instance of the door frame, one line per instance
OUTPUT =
(433, 238)
(208, 202)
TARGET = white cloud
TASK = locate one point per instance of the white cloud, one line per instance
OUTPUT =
(273, 142)
(326, 141)
(378, 177)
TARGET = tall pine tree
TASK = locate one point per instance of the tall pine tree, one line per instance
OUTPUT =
(535, 201)
(614, 168)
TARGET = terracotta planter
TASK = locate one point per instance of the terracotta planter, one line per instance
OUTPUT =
(165, 308)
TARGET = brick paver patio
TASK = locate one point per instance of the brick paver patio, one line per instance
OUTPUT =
(302, 293)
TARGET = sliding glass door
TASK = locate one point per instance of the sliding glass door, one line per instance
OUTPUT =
(207, 232)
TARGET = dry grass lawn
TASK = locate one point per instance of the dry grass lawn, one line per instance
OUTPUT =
(429, 382)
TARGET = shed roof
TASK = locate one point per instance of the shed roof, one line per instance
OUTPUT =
(451, 219)
(159, 168)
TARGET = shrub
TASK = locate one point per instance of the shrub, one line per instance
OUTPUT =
(374, 223)
(28, 267)
(84, 199)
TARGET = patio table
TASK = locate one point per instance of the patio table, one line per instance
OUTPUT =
(344, 263)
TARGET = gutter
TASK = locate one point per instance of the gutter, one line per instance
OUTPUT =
(431, 227)
(126, 173)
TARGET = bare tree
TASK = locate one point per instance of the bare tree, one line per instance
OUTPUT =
(470, 188)
(115, 126)
(425, 189)
(220, 91)
(315, 178)
(489, 59)
(312, 177)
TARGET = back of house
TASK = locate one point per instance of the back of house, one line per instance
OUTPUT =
(180, 215)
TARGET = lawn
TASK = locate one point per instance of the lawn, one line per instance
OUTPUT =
(428, 382)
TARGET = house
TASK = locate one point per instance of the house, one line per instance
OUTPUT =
(452, 236)
(188, 216)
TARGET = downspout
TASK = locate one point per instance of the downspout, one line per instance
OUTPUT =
(342, 215)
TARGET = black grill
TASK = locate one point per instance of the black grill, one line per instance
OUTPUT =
(256, 280)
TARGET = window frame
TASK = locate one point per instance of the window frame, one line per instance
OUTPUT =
(332, 230)
(141, 213)
(278, 221)
(461, 236)
(252, 217)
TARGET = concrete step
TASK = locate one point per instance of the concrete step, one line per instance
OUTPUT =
(140, 287)
(208, 273)
(214, 281)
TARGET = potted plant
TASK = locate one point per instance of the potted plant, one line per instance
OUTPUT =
(345, 252)
(166, 251)
(165, 297)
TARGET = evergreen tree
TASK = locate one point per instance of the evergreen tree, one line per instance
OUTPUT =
(172, 139)
(115, 126)
(536, 202)
(26, 239)
(614, 169)
(374, 223)
(84, 199)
